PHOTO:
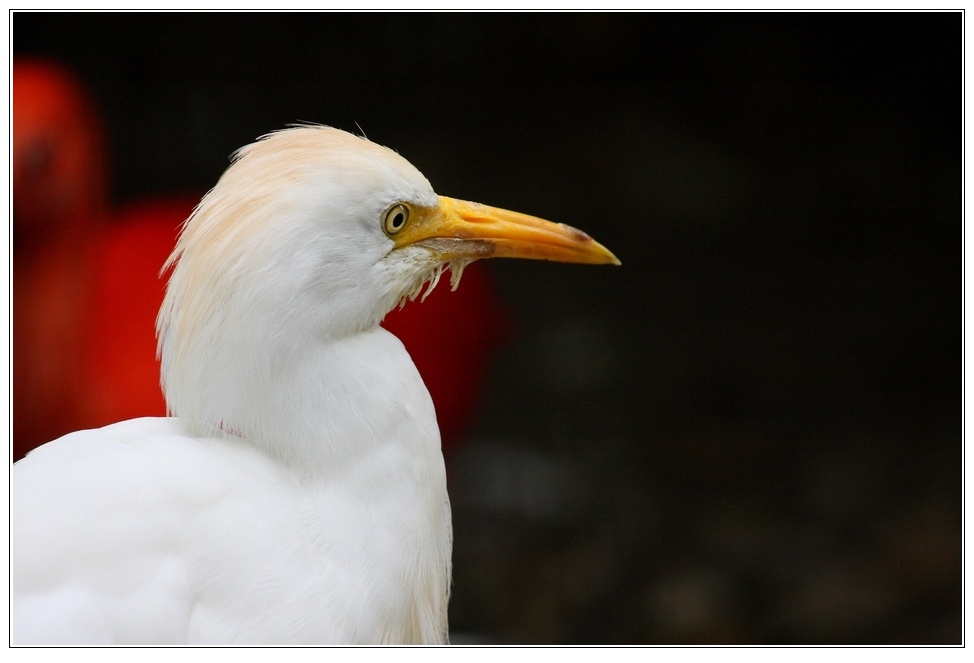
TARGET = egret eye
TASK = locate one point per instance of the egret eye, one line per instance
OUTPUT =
(396, 218)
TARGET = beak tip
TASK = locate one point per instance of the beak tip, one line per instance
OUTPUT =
(608, 257)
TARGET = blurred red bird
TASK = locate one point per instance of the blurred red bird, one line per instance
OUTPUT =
(87, 286)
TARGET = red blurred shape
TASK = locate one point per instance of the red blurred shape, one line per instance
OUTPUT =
(59, 209)
(128, 291)
(87, 285)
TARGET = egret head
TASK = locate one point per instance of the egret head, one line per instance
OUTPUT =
(314, 234)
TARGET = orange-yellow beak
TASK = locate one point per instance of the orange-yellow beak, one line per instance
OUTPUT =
(459, 229)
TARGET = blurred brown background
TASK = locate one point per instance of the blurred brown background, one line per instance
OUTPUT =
(751, 432)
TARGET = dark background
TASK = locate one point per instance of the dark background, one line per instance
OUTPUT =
(751, 432)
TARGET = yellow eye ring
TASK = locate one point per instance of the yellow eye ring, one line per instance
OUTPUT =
(396, 218)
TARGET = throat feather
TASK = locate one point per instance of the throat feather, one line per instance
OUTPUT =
(427, 284)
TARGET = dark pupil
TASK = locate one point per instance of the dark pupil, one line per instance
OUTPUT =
(397, 220)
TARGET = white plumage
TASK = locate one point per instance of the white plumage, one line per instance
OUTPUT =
(297, 495)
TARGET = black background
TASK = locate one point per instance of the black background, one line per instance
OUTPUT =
(752, 430)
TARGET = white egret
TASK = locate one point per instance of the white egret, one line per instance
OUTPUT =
(297, 494)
